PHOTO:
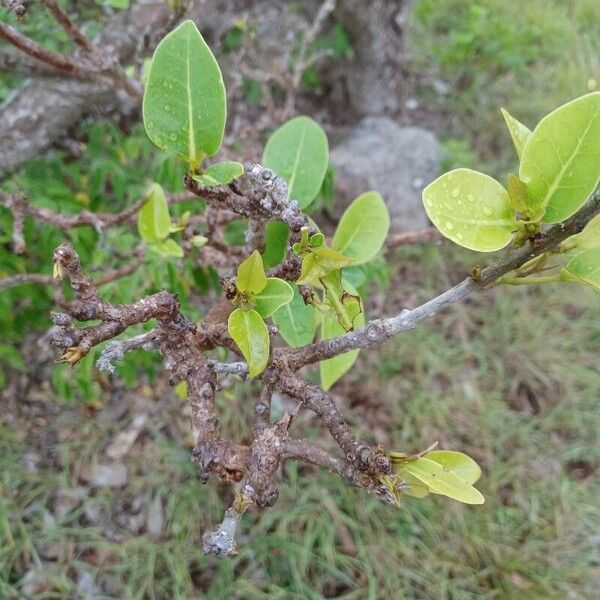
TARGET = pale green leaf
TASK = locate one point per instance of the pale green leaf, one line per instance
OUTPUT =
(154, 221)
(460, 464)
(320, 261)
(585, 268)
(363, 228)
(440, 480)
(518, 132)
(168, 247)
(251, 276)
(276, 239)
(220, 174)
(333, 368)
(347, 306)
(184, 106)
(298, 151)
(274, 295)
(561, 160)
(297, 321)
(249, 332)
(589, 237)
(471, 209)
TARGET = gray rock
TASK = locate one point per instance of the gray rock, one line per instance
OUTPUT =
(106, 474)
(396, 161)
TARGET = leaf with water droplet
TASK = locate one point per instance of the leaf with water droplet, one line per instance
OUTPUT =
(185, 92)
(471, 209)
(589, 237)
(561, 160)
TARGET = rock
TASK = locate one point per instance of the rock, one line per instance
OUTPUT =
(396, 161)
(109, 474)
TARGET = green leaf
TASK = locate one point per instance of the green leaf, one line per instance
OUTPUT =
(518, 132)
(363, 228)
(517, 193)
(460, 464)
(319, 262)
(584, 268)
(298, 151)
(251, 276)
(471, 209)
(184, 106)
(276, 239)
(334, 368)
(561, 161)
(440, 480)
(274, 295)
(589, 237)
(297, 321)
(347, 306)
(220, 174)
(154, 221)
(168, 247)
(249, 332)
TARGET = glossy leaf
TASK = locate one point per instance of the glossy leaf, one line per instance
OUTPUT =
(276, 239)
(585, 268)
(249, 332)
(460, 464)
(518, 132)
(184, 106)
(297, 321)
(471, 209)
(274, 295)
(333, 368)
(220, 174)
(168, 247)
(561, 160)
(251, 276)
(517, 193)
(440, 480)
(298, 151)
(363, 228)
(154, 221)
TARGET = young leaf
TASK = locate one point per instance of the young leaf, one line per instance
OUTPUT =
(220, 174)
(168, 247)
(363, 228)
(333, 368)
(347, 306)
(274, 295)
(298, 151)
(154, 221)
(471, 209)
(518, 132)
(517, 193)
(584, 268)
(251, 277)
(249, 332)
(297, 321)
(460, 464)
(184, 106)
(276, 239)
(561, 161)
(441, 480)
(319, 262)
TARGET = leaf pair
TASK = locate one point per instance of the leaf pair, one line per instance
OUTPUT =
(260, 296)
(559, 169)
(154, 223)
(443, 472)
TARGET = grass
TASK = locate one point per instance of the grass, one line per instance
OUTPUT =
(510, 377)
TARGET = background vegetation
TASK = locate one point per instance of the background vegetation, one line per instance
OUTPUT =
(511, 378)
